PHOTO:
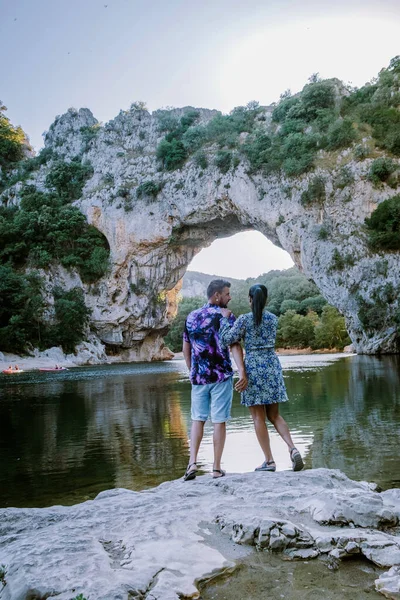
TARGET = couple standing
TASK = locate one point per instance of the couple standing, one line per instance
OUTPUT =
(209, 333)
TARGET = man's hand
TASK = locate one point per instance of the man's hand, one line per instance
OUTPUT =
(241, 385)
(226, 312)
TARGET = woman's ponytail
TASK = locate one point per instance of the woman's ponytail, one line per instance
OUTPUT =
(258, 295)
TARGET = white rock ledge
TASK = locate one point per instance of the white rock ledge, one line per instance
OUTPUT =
(158, 543)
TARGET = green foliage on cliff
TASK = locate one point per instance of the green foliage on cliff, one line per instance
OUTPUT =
(184, 139)
(377, 105)
(171, 151)
(71, 317)
(223, 160)
(148, 188)
(315, 192)
(380, 308)
(12, 141)
(383, 225)
(24, 318)
(381, 169)
(324, 116)
(21, 309)
(45, 230)
(67, 179)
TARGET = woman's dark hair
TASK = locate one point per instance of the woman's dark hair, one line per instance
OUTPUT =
(258, 294)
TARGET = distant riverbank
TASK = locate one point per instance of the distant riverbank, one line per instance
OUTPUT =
(55, 356)
(296, 351)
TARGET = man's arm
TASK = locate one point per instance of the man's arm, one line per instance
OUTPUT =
(187, 353)
(237, 353)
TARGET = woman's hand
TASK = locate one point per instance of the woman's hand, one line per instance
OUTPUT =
(226, 312)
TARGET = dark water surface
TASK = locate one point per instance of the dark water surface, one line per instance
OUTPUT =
(65, 437)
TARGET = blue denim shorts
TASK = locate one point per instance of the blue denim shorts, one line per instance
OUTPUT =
(213, 399)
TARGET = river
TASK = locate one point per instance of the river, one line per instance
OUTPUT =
(67, 436)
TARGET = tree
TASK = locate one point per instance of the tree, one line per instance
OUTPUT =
(384, 225)
(21, 310)
(295, 331)
(12, 141)
(72, 316)
(314, 303)
(331, 331)
(290, 305)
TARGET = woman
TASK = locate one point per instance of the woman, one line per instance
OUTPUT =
(266, 388)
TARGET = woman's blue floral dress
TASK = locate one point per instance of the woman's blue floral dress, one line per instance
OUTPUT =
(264, 371)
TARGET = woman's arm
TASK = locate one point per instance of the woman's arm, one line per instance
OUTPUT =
(229, 334)
(237, 353)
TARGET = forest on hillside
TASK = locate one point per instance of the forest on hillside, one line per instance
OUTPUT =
(306, 320)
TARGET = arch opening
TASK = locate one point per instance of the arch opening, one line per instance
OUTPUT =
(250, 257)
(242, 255)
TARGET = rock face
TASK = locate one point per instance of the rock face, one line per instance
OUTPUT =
(154, 234)
(158, 543)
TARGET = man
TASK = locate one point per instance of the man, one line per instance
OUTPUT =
(210, 373)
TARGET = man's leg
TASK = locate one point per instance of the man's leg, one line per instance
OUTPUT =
(199, 411)
(221, 403)
(196, 435)
(219, 438)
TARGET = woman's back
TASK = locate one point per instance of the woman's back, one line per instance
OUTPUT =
(259, 336)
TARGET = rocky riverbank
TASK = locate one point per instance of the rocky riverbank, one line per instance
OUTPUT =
(159, 543)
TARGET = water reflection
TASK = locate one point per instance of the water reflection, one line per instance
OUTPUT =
(67, 437)
(362, 434)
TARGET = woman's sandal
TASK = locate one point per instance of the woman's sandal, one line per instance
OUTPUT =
(267, 466)
(296, 459)
(221, 473)
(190, 473)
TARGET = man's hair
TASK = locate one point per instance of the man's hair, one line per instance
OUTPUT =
(217, 285)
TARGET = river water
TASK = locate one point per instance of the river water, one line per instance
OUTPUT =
(65, 437)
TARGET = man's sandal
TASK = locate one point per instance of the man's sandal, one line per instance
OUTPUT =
(221, 473)
(296, 459)
(190, 473)
(267, 466)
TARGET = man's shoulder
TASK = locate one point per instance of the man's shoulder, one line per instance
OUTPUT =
(196, 313)
(203, 312)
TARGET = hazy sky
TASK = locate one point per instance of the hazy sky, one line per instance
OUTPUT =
(105, 54)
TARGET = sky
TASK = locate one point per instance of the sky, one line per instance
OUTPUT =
(106, 54)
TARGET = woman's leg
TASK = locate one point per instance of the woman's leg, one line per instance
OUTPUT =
(279, 423)
(258, 415)
(282, 428)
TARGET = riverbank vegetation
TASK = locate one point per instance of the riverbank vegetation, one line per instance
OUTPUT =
(306, 320)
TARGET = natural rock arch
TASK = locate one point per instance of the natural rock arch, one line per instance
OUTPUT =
(155, 222)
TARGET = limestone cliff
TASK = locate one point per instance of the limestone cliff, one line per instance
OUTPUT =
(156, 220)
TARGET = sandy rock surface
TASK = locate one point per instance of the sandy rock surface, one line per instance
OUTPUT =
(157, 543)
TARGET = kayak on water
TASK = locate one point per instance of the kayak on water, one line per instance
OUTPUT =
(53, 369)
(12, 371)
